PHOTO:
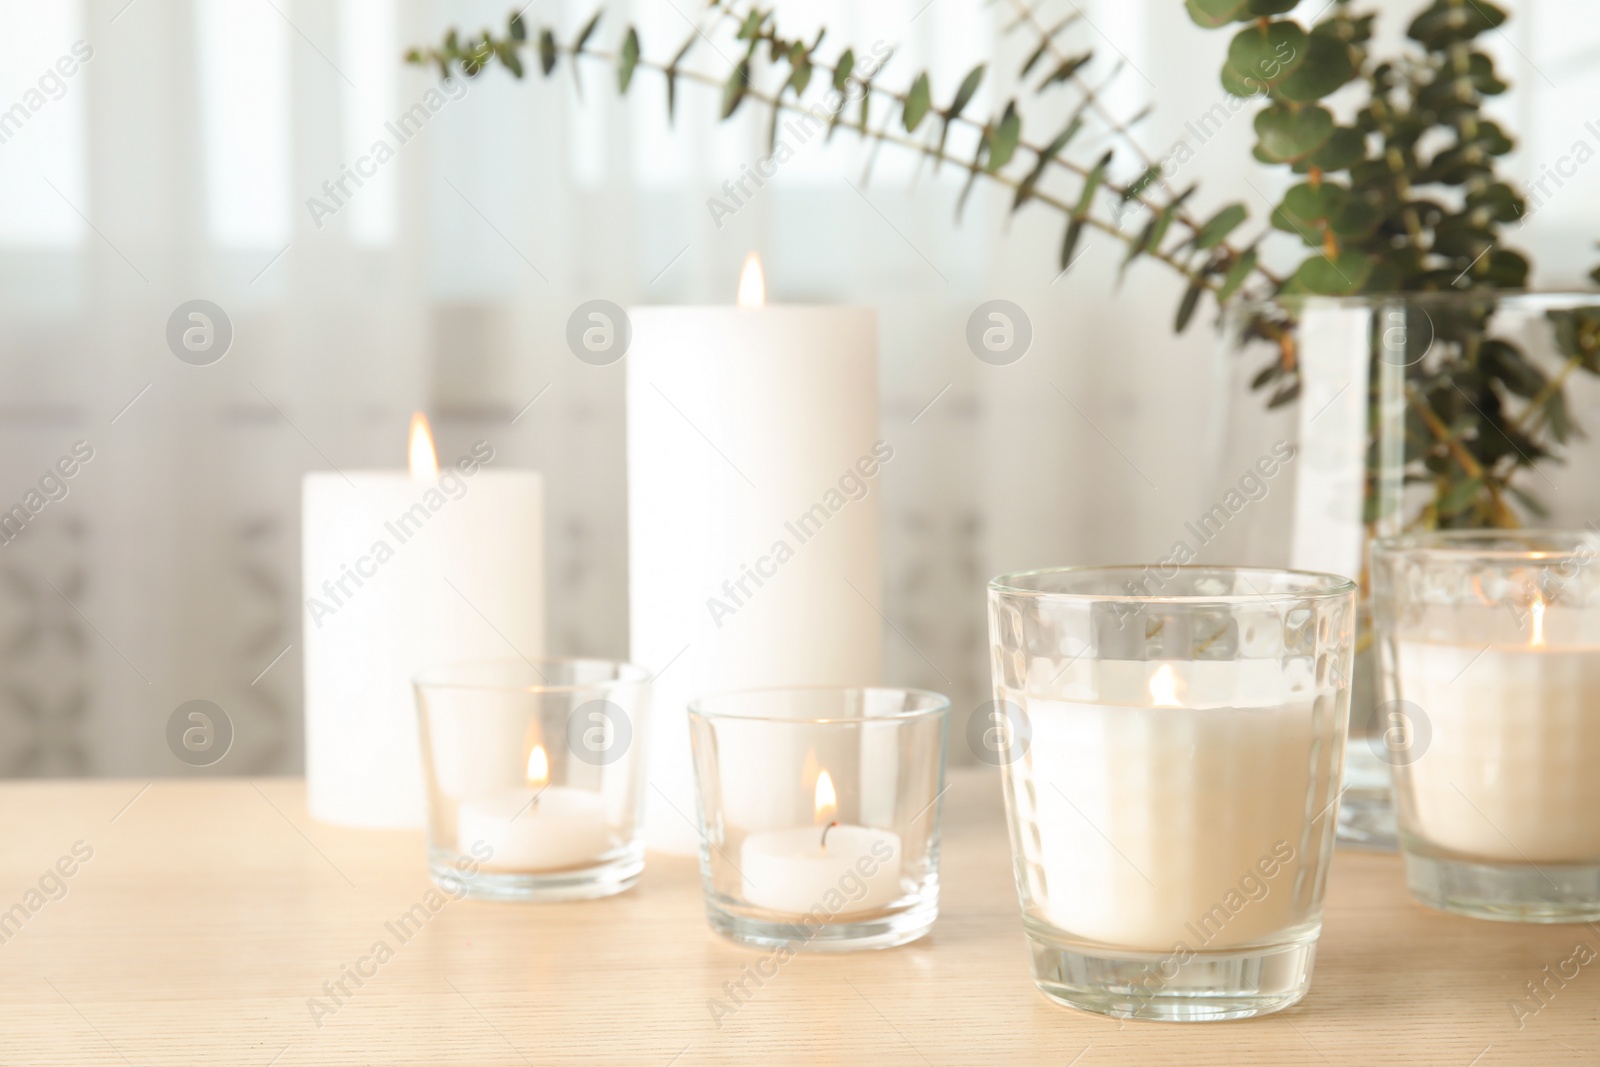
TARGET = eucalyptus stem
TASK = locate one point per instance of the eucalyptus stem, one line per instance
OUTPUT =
(1091, 99)
(1402, 197)
(1203, 257)
(1533, 416)
(899, 140)
(1039, 152)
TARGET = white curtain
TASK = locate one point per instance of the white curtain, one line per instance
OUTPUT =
(173, 150)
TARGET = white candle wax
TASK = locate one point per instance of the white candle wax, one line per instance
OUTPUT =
(794, 870)
(1508, 773)
(1149, 819)
(401, 574)
(754, 482)
(532, 830)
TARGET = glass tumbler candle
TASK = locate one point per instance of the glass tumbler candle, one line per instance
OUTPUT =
(1490, 649)
(534, 773)
(1171, 741)
(819, 814)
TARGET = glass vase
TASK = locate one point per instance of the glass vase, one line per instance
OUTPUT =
(1388, 408)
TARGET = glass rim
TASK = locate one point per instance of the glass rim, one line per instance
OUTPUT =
(438, 677)
(936, 704)
(1321, 585)
(1463, 544)
(1431, 296)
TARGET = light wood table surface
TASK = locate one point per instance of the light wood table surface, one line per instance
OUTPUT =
(212, 912)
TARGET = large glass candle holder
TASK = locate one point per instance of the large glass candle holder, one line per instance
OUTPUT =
(1490, 649)
(819, 814)
(534, 777)
(1171, 740)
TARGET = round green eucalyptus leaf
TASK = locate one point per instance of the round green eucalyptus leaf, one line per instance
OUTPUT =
(1457, 166)
(1347, 28)
(1200, 18)
(1309, 236)
(1356, 220)
(1306, 210)
(1258, 8)
(1327, 66)
(1341, 276)
(1386, 279)
(1488, 136)
(1444, 23)
(1507, 269)
(1268, 53)
(1288, 135)
(1219, 8)
(1236, 84)
(1448, 95)
(1497, 202)
(1458, 237)
(1343, 150)
(1368, 172)
(1508, 364)
(1481, 69)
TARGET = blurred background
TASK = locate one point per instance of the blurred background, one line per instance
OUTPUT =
(176, 163)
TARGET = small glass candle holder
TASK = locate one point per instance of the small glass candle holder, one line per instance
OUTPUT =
(1171, 740)
(819, 814)
(1490, 656)
(534, 774)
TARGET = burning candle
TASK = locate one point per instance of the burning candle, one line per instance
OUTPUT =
(1171, 779)
(825, 865)
(534, 827)
(1160, 787)
(1508, 772)
(1490, 646)
(403, 570)
(753, 463)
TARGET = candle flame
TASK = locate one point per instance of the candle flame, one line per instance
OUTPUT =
(827, 805)
(1164, 687)
(424, 461)
(538, 768)
(1536, 611)
(752, 286)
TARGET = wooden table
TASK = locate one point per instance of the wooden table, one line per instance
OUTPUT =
(211, 913)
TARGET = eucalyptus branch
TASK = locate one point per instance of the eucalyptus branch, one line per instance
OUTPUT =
(1047, 156)
(1407, 197)
(1533, 415)
(1203, 256)
(1044, 156)
(1404, 197)
(1090, 93)
(853, 125)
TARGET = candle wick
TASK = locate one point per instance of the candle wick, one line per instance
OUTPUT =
(825, 829)
(534, 803)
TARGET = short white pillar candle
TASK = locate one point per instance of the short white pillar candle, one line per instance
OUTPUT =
(845, 870)
(537, 827)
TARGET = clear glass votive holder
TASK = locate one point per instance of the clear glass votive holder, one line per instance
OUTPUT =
(1489, 647)
(819, 814)
(534, 774)
(1171, 741)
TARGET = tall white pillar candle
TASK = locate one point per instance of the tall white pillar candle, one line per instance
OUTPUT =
(402, 572)
(754, 477)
